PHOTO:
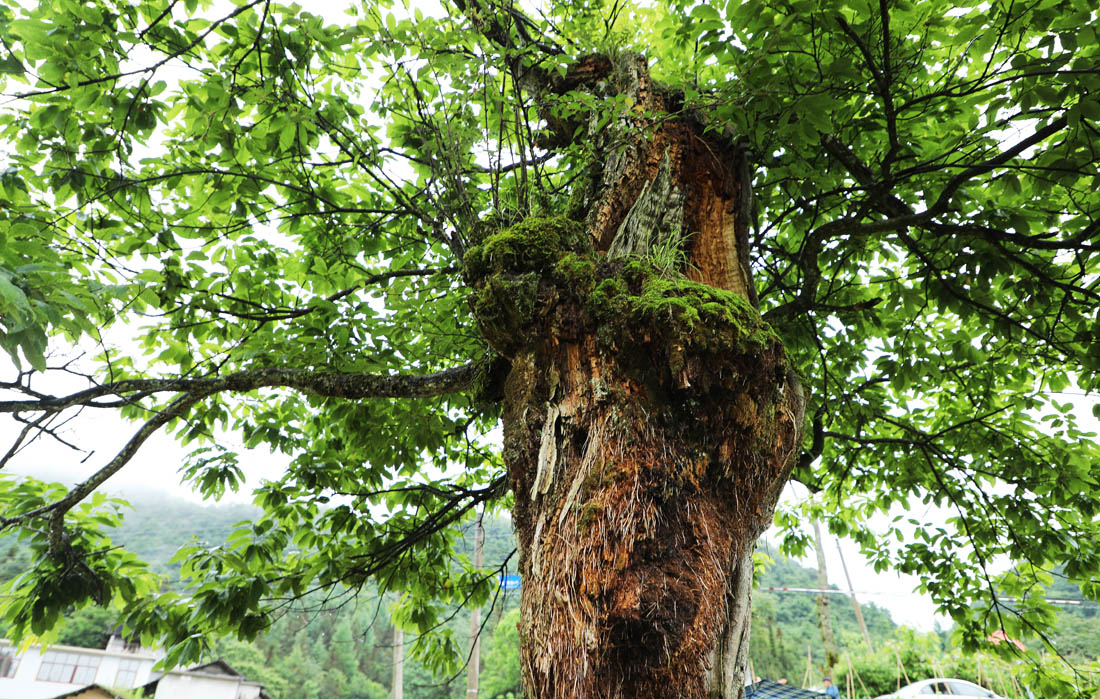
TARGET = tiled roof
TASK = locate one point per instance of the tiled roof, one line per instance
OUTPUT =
(766, 689)
(89, 691)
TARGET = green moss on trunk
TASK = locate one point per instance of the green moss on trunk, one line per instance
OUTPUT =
(520, 271)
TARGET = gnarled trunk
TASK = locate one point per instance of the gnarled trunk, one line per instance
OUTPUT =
(650, 417)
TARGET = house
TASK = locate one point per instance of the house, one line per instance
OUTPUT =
(91, 692)
(58, 670)
(216, 680)
(66, 672)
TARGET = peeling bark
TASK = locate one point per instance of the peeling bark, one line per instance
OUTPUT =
(639, 497)
(710, 173)
(656, 218)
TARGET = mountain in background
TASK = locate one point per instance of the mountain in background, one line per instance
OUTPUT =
(312, 652)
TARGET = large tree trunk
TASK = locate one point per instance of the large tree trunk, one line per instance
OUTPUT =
(650, 420)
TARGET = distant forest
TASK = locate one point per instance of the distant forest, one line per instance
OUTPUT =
(345, 650)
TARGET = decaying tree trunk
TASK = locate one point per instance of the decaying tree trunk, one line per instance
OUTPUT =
(650, 417)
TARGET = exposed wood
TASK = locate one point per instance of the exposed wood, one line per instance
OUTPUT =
(709, 173)
(548, 453)
(656, 218)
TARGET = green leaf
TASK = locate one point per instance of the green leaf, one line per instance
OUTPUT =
(11, 295)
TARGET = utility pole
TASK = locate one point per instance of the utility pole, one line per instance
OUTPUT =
(855, 603)
(398, 663)
(475, 619)
(824, 623)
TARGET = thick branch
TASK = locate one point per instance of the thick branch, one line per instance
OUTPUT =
(1046, 241)
(881, 76)
(267, 314)
(194, 390)
(895, 207)
(510, 30)
(475, 169)
(319, 383)
(901, 220)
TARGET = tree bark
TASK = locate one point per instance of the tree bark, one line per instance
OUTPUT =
(650, 417)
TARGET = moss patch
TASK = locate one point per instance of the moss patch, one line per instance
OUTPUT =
(505, 310)
(488, 388)
(576, 272)
(682, 311)
(541, 278)
(532, 245)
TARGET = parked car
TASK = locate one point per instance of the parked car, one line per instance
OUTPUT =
(942, 686)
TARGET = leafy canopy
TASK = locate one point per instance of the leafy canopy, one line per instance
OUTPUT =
(277, 204)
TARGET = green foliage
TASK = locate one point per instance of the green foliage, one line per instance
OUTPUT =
(86, 569)
(89, 627)
(197, 193)
(501, 677)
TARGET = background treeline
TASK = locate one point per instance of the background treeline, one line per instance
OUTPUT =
(342, 648)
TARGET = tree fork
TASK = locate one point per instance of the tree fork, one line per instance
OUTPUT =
(650, 417)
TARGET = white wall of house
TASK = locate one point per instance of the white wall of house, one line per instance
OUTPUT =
(189, 685)
(34, 674)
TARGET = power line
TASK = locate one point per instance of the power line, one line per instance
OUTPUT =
(817, 591)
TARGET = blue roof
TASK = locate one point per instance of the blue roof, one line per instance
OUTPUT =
(766, 689)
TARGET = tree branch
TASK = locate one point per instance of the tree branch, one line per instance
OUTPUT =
(58, 509)
(899, 220)
(266, 314)
(320, 383)
(1049, 241)
(150, 69)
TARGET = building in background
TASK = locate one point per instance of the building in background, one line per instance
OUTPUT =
(216, 680)
(66, 672)
(57, 671)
